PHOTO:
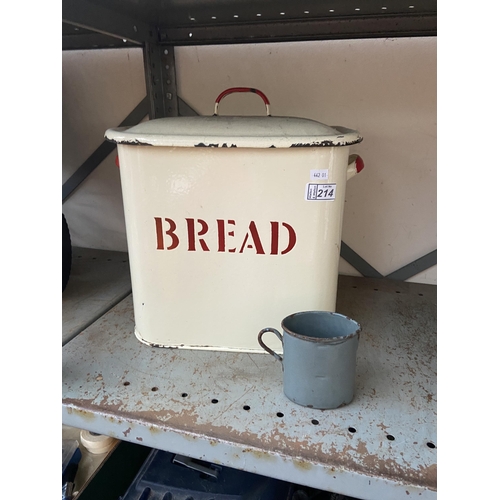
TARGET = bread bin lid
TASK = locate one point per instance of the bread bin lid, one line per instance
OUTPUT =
(234, 131)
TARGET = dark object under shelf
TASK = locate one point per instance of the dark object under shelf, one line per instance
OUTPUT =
(162, 478)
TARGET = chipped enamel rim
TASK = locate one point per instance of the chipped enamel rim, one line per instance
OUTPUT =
(232, 132)
(321, 340)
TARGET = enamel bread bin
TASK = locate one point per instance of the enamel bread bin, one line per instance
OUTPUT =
(233, 223)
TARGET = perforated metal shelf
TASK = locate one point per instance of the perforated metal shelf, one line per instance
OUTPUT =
(236, 21)
(99, 280)
(228, 408)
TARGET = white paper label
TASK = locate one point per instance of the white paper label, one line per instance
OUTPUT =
(319, 192)
(319, 175)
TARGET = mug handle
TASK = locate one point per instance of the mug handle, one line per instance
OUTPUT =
(264, 346)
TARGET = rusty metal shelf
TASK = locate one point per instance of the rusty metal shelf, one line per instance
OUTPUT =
(99, 280)
(228, 408)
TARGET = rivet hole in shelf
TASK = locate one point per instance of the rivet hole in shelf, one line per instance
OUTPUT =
(96, 258)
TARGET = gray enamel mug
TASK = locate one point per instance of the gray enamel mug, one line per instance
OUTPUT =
(319, 358)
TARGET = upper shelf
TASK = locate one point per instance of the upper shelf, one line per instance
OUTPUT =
(130, 22)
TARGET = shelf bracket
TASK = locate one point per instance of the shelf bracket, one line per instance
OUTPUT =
(356, 261)
(102, 152)
(413, 268)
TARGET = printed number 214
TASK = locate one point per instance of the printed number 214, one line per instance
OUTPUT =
(325, 193)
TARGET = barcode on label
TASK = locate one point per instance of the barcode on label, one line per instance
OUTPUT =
(318, 192)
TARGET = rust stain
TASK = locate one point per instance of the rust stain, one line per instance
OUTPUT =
(354, 456)
(382, 426)
(192, 437)
(87, 415)
(302, 464)
(127, 432)
(261, 455)
(138, 438)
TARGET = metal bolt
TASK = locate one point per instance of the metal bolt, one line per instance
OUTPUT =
(135, 29)
(168, 95)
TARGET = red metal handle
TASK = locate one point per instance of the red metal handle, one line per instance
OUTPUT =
(354, 165)
(242, 89)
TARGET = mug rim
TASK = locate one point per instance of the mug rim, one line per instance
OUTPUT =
(332, 340)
